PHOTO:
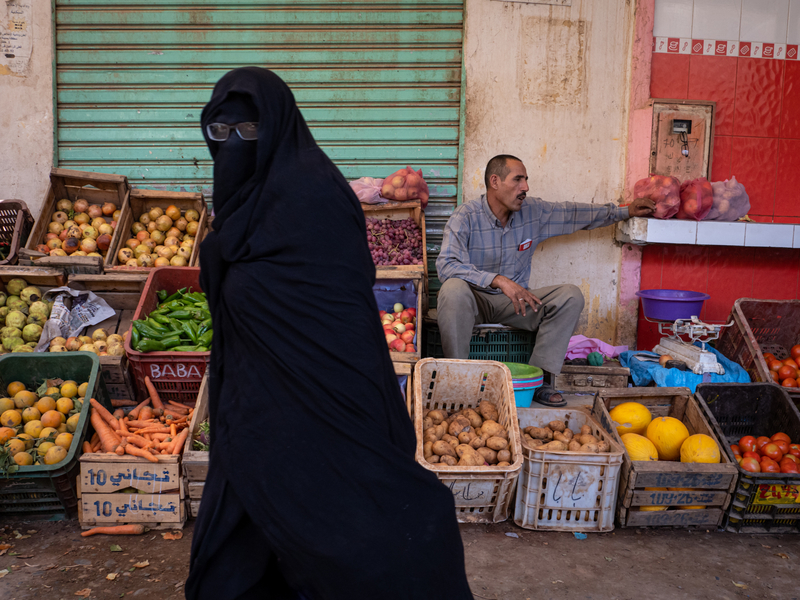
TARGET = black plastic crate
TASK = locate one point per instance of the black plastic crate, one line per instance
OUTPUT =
(504, 344)
(16, 223)
(762, 502)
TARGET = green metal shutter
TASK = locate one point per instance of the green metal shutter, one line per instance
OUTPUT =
(380, 85)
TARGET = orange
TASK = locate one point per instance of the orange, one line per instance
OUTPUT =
(24, 399)
(30, 414)
(53, 392)
(64, 440)
(42, 448)
(15, 445)
(33, 428)
(82, 388)
(28, 439)
(6, 404)
(48, 432)
(23, 459)
(6, 433)
(69, 389)
(54, 454)
(52, 418)
(46, 403)
(72, 423)
(64, 405)
(14, 387)
(11, 418)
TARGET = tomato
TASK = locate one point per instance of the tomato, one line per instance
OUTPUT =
(794, 449)
(739, 458)
(791, 458)
(747, 443)
(795, 351)
(775, 377)
(771, 467)
(781, 436)
(751, 464)
(774, 365)
(782, 445)
(790, 362)
(749, 454)
(735, 449)
(786, 372)
(772, 451)
(769, 357)
(789, 467)
(789, 382)
(762, 441)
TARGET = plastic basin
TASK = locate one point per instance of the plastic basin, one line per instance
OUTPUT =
(669, 305)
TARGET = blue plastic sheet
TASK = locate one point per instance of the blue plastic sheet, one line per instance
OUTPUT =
(644, 372)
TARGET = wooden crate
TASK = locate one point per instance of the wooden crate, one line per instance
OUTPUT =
(116, 490)
(585, 378)
(142, 201)
(709, 485)
(95, 188)
(195, 462)
(122, 292)
(384, 300)
(43, 278)
(398, 211)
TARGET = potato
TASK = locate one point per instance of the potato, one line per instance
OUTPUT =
(433, 459)
(474, 418)
(427, 449)
(488, 410)
(504, 456)
(450, 419)
(493, 428)
(440, 429)
(450, 461)
(586, 430)
(465, 437)
(574, 446)
(437, 416)
(568, 433)
(497, 443)
(538, 433)
(587, 439)
(468, 456)
(561, 437)
(459, 424)
(590, 448)
(463, 449)
(429, 436)
(603, 446)
(453, 441)
(558, 426)
(427, 423)
(489, 455)
(503, 464)
(531, 442)
(553, 446)
(443, 448)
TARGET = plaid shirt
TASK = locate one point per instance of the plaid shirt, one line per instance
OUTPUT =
(476, 248)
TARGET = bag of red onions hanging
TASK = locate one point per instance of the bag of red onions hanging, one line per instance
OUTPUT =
(697, 199)
(406, 184)
(665, 191)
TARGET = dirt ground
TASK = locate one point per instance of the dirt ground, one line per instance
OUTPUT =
(504, 562)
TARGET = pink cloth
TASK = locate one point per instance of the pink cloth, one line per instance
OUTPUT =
(580, 347)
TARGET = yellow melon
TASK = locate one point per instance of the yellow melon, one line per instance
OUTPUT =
(654, 508)
(667, 435)
(699, 448)
(631, 417)
(639, 447)
(693, 506)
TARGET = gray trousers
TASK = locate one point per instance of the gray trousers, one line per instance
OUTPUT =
(460, 306)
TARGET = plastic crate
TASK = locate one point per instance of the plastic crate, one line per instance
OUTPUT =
(762, 502)
(175, 375)
(761, 326)
(49, 491)
(567, 491)
(16, 223)
(496, 342)
(481, 494)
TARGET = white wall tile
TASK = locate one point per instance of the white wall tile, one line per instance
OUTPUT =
(671, 231)
(793, 34)
(764, 21)
(710, 233)
(716, 19)
(768, 235)
(673, 18)
(796, 242)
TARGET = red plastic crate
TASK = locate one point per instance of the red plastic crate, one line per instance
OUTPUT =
(175, 375)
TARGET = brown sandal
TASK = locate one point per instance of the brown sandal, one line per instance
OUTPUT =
(544, 395)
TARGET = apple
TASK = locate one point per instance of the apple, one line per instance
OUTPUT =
(398, 308)
(412, 311)
(397, 345)
(407, 336)
(390, 337)
(398, 327)
(410, 348)
(410, 327)
(381, 313)
(406, 317)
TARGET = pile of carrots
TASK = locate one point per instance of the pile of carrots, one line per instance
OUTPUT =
(152, 428)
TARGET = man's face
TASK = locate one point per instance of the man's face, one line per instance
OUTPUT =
(511, 191)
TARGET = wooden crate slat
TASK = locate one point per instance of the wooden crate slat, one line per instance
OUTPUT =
(676, 518)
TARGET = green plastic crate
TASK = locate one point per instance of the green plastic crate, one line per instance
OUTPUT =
(503, 344)
(49, 491)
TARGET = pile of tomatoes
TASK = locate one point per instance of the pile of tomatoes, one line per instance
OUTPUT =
(787, 371)
(767, 455)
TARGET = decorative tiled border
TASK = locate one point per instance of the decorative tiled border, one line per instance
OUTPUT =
(665, 45)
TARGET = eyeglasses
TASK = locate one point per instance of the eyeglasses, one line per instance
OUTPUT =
(219, 132)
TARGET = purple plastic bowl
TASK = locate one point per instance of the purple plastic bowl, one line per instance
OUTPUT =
(669, 305)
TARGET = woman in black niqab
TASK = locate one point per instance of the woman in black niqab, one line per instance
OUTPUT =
(312, 490)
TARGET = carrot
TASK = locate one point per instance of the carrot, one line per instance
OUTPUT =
(118, 414)
(138, 441)
(120, 450)
(96, 447)
(134, 414)
(108, 439)
(177, 444)
(95, 439)
(145, 414)
(179, 405)
(153, 393)
(139, 423)
(116, 403)
(116, 530)
(173, 431)
(173, 415)
(140, 452)
(153, 430)
(103, 412)
(123, 426)
(87, 448)
(159, 436)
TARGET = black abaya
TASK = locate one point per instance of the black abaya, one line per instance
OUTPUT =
(312, 488)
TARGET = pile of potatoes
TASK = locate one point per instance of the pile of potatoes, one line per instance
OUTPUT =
(557, 437)
(467, 438)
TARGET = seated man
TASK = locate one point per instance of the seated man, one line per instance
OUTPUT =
(485, 266)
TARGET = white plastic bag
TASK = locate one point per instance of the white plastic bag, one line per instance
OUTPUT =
(730, 201)
(368, 190)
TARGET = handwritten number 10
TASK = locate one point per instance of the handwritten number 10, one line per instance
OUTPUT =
(106, 508)
(101, 477)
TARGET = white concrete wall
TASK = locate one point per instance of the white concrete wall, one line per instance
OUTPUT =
(549, 84)
(26, 118)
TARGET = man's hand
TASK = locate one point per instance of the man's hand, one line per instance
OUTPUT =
(519, 295)
(641, 207)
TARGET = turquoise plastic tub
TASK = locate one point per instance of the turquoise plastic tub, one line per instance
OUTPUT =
(526, 379)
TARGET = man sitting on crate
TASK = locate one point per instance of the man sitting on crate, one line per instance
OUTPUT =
(485, 266)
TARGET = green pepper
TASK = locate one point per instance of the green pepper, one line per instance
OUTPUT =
(174, 305)
(183, 349)
(175, 325)
(135, 337)
(152, 323)
(171, 341)
(159, 318)
(162, 295)
(180, 314)
(201, 349)
(147, 331)
(176, 295)
(190, 331)
(205, 339)
(148, 345)
(158, 311)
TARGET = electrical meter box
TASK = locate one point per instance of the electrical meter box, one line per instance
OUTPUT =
(682, 138)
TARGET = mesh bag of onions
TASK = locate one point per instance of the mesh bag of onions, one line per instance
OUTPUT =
(406, 184)
(664, 191)
(697, 199)
(730, 201)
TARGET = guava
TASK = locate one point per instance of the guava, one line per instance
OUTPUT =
(4, 313)
(16, 319)
(22, 348)
(10, 332)
(31, 333)
(37, 319)
(31, 294)
(40, 307)
(15, 286)
(11, 343)
(17, 303)
(3, 297)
